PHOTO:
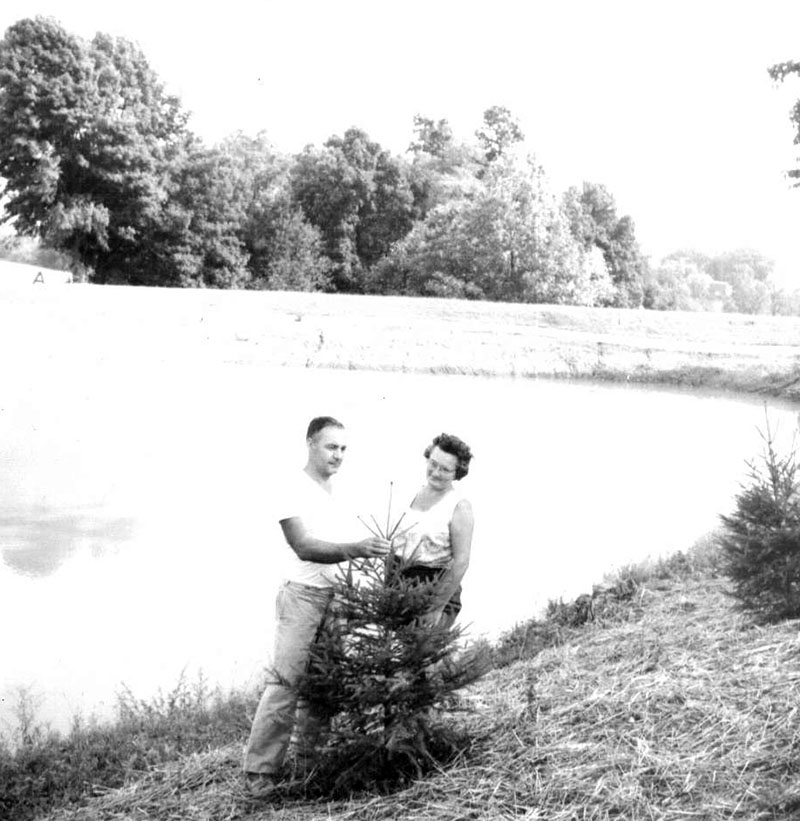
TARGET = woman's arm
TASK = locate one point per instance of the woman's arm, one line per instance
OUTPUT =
(461, 527)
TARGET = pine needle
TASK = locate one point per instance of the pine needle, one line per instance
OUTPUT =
(368, 527)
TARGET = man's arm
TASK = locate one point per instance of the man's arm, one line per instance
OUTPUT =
(311, 549)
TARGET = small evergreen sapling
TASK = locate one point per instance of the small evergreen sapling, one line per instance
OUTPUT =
(761, 538)
(378, 677)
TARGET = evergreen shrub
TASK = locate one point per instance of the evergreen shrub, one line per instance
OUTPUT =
(760, 539)
(380, 679)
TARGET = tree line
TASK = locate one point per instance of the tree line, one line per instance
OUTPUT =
(98, 163)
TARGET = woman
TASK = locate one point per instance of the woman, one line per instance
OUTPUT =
(434, 541)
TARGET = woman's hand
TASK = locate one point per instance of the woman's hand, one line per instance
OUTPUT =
(431, 618)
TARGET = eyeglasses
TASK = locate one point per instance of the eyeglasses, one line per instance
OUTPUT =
(440, 467)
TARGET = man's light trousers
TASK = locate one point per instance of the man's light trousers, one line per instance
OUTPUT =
(300, 611)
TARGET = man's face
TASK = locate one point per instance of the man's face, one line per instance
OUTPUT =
(326, 451)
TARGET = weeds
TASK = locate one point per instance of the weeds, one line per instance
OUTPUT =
(186, 725)
(608, 603)
(703, 558)
(44, 770)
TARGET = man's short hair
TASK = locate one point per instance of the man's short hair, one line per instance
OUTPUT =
(319, 423)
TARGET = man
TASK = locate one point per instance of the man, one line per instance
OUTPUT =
(316, 527)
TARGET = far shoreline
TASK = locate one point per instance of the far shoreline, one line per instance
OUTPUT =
(750, 355)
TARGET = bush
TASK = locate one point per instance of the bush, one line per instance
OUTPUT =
(45, 770)
(761, 538)
(376, 675)
(613, 601)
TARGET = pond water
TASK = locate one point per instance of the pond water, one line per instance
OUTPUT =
(136, 535)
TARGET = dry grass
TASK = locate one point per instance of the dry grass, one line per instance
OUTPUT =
(718, 351)
(681, 710)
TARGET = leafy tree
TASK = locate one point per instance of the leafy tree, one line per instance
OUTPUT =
(761, 538)
(87, 140)
(786, 302)
(779, 72)
(441, 168)
(285, 250)
(433, 138)
(201, 246)
(45, 88)
(506, 238)
(330, 192)
(734, 281)
(28, 250)
(626, 264)
(387, 215)
(359, 198)
(748, 273)
(680, 282)
(375, 673)
(592, 215)
(499, 131)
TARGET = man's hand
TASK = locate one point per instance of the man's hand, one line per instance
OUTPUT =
(371, 548)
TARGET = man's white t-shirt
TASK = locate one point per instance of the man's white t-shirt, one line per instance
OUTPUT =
(324, 515)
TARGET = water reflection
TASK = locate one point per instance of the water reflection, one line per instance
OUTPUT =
(569, 480)
(37, 542)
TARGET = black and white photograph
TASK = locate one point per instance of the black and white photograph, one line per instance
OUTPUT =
(399, 410)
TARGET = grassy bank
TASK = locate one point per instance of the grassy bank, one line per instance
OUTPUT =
(652, 698)
(663, 703)
(752, 354)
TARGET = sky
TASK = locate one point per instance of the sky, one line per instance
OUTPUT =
(669, 105)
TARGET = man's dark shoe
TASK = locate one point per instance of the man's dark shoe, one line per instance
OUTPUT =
(259, 785)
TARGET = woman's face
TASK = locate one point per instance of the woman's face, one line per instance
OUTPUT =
(441, 469)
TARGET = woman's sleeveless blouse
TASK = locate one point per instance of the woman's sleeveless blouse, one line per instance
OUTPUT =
(424, 535)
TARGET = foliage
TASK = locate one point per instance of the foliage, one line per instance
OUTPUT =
(433, 138)
(359, 198)
(785, 301)
(498, 133)
(45, 769)
(779, 72)
(286, 251)
(761, 537)
(377, 674)
(29, 251)
(747, 272)
(593, 220)
(611, 602)
(736, 281)
(283, 251)
(98, 164)
(680, 283)
(441, 168)
(87, 136)
(504, 238)
(703, 559)
(197, 243)
(680, 713)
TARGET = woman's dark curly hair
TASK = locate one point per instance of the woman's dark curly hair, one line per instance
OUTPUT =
(455, 447)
